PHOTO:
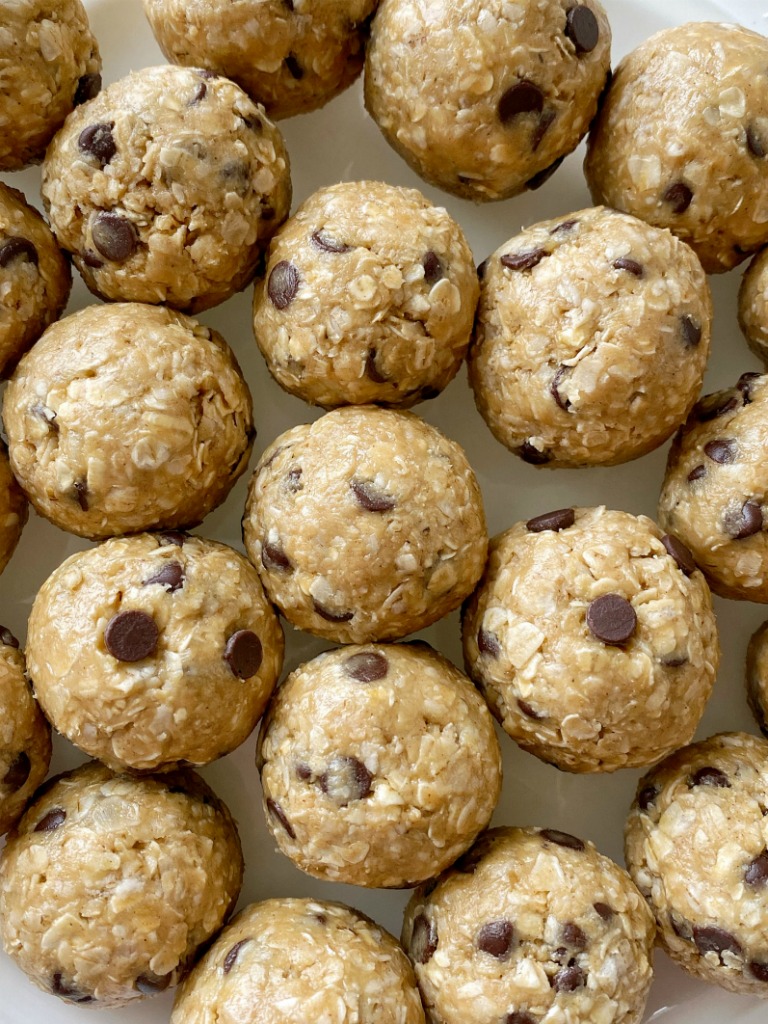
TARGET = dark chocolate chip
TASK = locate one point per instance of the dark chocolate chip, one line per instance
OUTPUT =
(371, 369)
(44, 413)
(206, 73)
(758, 970)
(564, 226)
(523, 97)
(554, 835)
(482, 268)
(680, 553)
(90, 259)
(283, 284)
(171, 576)
(680, 927)
(199, 94)
(573, 936)
(526, 260)
(253, 123)
(295, 69)
(423, 939)
(150, 983)
(530, 454)
(674, 660)
(114, 236)
(433, 267)
(370, 498)
(745, 383)
(175, 537)
(561, 519)
(722, 450)
(712, 406)
(88, 86)
(325, 243)
(709, 776)
(740, 523)
(366, 666)
(757, 870)
(243, 653)
(330, 614)
(612, 619)
(631, 266)
(520, 1017)
(7, 637)
(18, 772)
(545, 122)
(346, 779)
(273, 558)
(581, 28)
(755, 143)
(679, 197)
(568, 979)
(293, 480)
(54, 819)
(80, 488)
(554, 388)
(604, 910)
(646, 797)
(496, 938)
(696, 473)
(131, 635)
(488, 643)
(711, 939)
(278, 814)
(96, 140)
(17, 248)
(66, 990)
(303, 771)
(229, 959)
(690, 330)
(529, 711)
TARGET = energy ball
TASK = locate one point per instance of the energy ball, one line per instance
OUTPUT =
(379, 765)
(125, 418)
(485, 99)
(153, 650)
(593, 639)
(757, 677)
(696, 842)
(715, 487)
(369, 296)
(291, 55)
(167, 187)
(591, 339)
(13, 509)
(288, 960)
(367, 524)
(111, 883)
(531, 925)
(25, 736)
(50, 64)
(681, 139)
(35, 278)
(753, 306)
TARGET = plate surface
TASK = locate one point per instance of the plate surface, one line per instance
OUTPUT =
(341, 143)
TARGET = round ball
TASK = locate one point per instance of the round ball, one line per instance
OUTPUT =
(13, 509)
(753, 306)
(757, 677)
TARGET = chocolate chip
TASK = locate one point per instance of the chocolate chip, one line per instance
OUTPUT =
(371, 370)
(495, 938)
(554, 388)
(711, 939)
(546, 120)
(691, 331)
(561, 519)
(529, 711)
(243, 653)
(680, 926)
(17, 248)
(90, 259)
(229, 959)
(709, 776)
(283, 284)
(523, 260)
(293, 480)
(554, 835)
(573, 936)
(44, 413)
(679, 197)
(488, 643)
(523, 97)
(366, 666)
(330, 614)
(482, 269)
(740, 523)
(198, 95)
(722, 450)
(433, 267)
(273, 558)
(520, 1017)
(80, 488)
(646, 796)
(96, 140)
(253, 123)
(680, 553)
(88, 87)
(171, 576)
(758, 970)
(674, 660)
(346, 779)
(114, 236)
(604, 911)
(66, 990)
(612, 619)
(325, 243)
(175, 537)
(370, 497)
(530, 454)
(278, 814)
(295, 69)
(755, 143)
(131, 636)
(54, 819)
(757, 870)
(631, 266)
(712, 406)
(7, 637)
(745, 383)
(568, 979)
(303, 771)
(581, 28)
(423, 939)
(696, 473)
(564, 226)
(150, 983)
(18, 772)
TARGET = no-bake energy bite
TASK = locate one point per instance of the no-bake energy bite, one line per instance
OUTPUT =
(485, 99)
(125, 418)
(531, 925)
(753, 305)
(584, 324)
(288, 960)
(365, 525)
(167, 187)
(682, 137)
(757, 677)
(110, 884)
(291, 55)
(379, 765)
(369, 296)
(49, 63)
(593, 639)
(155, 649)
(696, 847)
(13, 509)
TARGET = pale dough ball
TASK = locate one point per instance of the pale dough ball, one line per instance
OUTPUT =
(593, 639)
(13, 509)
(127, 417)
(365, 525)
(289, 960)
(531, 925)
(49, 64)
(753, 305)
(34, 277)
(696, 842)
(484, 99)
(111, 883)
(291, 55)
(591, 339)
(25, 736)
(152, 650)
(757, 677)
(369, 296)
(681, 139)
(379, 765)
(167, 187)
(715, 487)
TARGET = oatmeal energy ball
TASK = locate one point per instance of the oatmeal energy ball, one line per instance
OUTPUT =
(369, 296)
(127, 417)
(682, 139)
(715, 487)
(696, 843)
(753, 305)
(167, 188)
(110, 883)
(291, 55)
(757, 677)
(49, 63)
(593, 639)
(154, 649)
(379, 765)
(13, 510)
(365, 525)
(531, 925)
(484, 99)
(286, 960)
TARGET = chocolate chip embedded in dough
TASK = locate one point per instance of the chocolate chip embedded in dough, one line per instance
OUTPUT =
(231, 957)
(131, 636)
(679, 196)
(680, 553)
(581, 28)
(279, 815)
(674, 660)
(496, 939)
(80, 487)
(554, 835)
(520, 1017)
(17, 248)
(88, 86)
(433, 267)
(756, 873)
(722, 450)
(366, 666)
(525, 260)
(709, 776)
(283, 284)
(150, 983)
(646, 797)
(529, 711)
(7, 638)
(199, 94)
(755, 142)
(243, 653)
(330, 614)
(326, 243)
(712, 406)
(558, 520)
(67, 990)
(372, 371)
(171, 576)
(175, 537)
(564, 226)
(554, 388)
(604, 911)
(47, 415)
(530, 453)
(696, 473)
(745, 385)
(740, 523)
(631, 266)
(612, 619)
(345, 780)
(370, 497)
(545, 122)
(424, 939)
(54, 819)
(523, 97)
(295, 70)
(114, 236)
(691, 330)
(96, 140)
(90, 259)
(711, 939)
(488, 643)
(18, 772)
(274, 558)
(293, 480)
(758, 970)
(573, 936)
(568, 979)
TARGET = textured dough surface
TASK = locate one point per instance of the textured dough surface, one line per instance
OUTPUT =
(682, 138)
(715, 487)
(292, 57)
(110, 884)
(13, 509)
(127, 417)
(184, 701)
(531, 925)
(696, 842)
(49, 62)
(289, 960)
(590, 348)
(381, 303)
(757, 677)
(167, 187)
(559, 690)
(483, 99)
(365, 525)
(753, 305)
(379, 765)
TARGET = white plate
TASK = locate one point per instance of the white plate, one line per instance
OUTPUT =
(341, 143)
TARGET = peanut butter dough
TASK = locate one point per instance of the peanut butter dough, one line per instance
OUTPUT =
(369, 296)
(593, 638)
(13, 509)
(757, 677)
(753, 305)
